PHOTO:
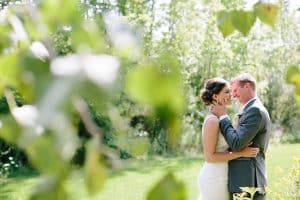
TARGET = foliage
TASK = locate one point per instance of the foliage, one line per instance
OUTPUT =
(240, 20)
(293, 77)
(62, 42)
(12, 159)
(5, 3)
(62, 63)
(247, 193)
(243, 21)
(267, 13)
(281, 115)
(85, 70)
(153, 128)
(166, 80)
(291, 181)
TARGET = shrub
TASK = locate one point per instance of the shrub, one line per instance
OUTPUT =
(290, 183)
(11, 159)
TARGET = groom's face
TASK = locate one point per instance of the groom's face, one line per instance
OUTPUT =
(238, 92)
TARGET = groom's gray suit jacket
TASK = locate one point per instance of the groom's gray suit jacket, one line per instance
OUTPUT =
(254, 125)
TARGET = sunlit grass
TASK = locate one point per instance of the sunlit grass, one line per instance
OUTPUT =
(134, 182)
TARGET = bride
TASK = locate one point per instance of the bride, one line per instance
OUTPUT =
(213, 175)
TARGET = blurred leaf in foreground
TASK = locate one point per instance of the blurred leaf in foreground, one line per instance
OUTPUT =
(267, 13)
(293, 77)
(158, 84)
(44, 155)
(243, 21)
(10, 130)
(49, 188)
(224, 23)
(9, 72)
(95, 171)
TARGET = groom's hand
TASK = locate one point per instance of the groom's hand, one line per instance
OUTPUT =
(218, 109)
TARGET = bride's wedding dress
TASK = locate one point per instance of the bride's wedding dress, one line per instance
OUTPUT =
(213, 177)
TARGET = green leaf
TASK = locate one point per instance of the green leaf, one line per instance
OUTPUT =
(297, 96)
(49, 188)
(157, 84)
(291, 72)
(122, 6)
(95, 171)
(5, 41)
(243, 21)
(296, 81)
(168, 189)
(9, 72)
(55, 17)
(224, 23)
(35, 76)
(45, 155)
(142, 83)
(32, 29)
(267, 13)
(10, 130)
(293, 77)
(86, 34)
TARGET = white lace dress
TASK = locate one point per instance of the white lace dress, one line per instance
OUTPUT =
(213, 177)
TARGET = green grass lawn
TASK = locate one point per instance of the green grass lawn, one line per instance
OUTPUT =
(133, 183)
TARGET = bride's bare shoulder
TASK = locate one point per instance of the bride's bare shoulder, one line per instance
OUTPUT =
(211, 119)
(210, 125)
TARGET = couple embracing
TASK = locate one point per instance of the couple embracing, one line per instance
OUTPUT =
(234, 155)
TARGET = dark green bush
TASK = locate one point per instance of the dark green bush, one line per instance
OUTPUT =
(12, 159)
(153, 127)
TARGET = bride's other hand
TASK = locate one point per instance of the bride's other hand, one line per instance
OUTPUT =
(249, 152)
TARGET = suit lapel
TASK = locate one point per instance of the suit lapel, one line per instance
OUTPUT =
(249, 104)
(240, 115)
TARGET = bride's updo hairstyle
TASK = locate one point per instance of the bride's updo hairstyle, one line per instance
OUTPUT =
(211, 87)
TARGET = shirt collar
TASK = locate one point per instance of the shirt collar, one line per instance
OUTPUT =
(255, 97)
(250, 100)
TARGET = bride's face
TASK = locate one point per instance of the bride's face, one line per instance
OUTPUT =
(224, 97)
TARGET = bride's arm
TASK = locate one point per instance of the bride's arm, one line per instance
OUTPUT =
(210, 139)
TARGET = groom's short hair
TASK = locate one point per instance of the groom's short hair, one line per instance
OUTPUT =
(244, 78)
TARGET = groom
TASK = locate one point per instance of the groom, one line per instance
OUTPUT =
(254, 127)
